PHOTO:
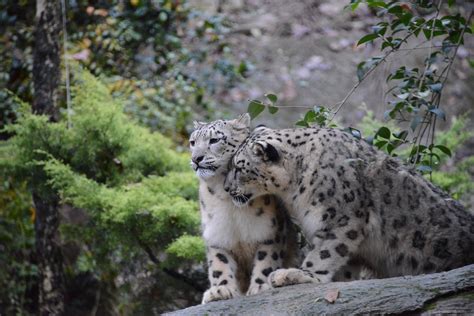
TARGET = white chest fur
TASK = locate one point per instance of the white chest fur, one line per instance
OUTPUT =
(226, 225)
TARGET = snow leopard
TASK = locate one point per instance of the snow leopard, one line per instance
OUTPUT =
(352, 202)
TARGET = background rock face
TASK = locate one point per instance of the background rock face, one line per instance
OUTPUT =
(304, 51)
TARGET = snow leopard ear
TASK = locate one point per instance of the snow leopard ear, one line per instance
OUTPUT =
(242, 122)
(198, 124)
(266, 152)
(259, 128)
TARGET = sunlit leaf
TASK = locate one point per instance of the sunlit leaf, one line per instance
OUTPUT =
(310, 116)
(367, 38)
(380, 144)
(302, 123)
(444, 149)
(255, 108)
(384, 132)
(271, 97)
(272, 109)
(401, 135)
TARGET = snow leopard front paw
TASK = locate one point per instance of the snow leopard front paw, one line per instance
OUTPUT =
(218, 293)
(256, 288)
(284, 277)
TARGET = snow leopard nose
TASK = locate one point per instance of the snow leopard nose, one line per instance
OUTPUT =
(197, 160)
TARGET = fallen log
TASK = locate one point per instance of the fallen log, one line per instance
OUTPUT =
(449, 292)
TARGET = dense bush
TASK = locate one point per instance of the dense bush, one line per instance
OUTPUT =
(139, 192)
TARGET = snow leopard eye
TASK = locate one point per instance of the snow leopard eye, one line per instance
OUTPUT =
(213, 140)
(192, 142)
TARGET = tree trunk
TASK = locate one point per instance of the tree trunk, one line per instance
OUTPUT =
(444, 293)
(46, 76)
(46, 59)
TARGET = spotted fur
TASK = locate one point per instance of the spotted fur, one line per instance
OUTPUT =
(352, 203)
(243, 245)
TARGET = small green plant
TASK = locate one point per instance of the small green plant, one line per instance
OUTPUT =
(456, 179)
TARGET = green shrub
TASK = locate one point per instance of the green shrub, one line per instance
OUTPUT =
(137, 189)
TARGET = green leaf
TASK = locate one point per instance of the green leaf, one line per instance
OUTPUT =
(367, 38)
(310, 116)
(419, 148)
(376, 4)
(427, 33)
(361, 70)
(436, 87)
(380, 144)
(439, 113)
(390, 148)
(401, 135)
(433, 155)
(302, 123)
(354, 4)
(272, 109)
(450, 3)
(384, 132)
(395, 9)
(255, 108)
(273, 98)
(242, 69)
(444, 149)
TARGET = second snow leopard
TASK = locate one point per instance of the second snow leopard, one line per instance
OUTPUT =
(352, 202)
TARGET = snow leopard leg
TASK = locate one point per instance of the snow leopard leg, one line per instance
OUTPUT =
(222, 276)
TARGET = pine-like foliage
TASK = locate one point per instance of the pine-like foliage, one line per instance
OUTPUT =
(136, 187)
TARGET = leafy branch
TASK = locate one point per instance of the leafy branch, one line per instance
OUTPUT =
(416, 94)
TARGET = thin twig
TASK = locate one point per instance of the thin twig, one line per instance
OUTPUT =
(420, 84)
(456, 50)
(289, 106)
(427, 47)
(419, 137)
(427, 60)
(340, 104)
